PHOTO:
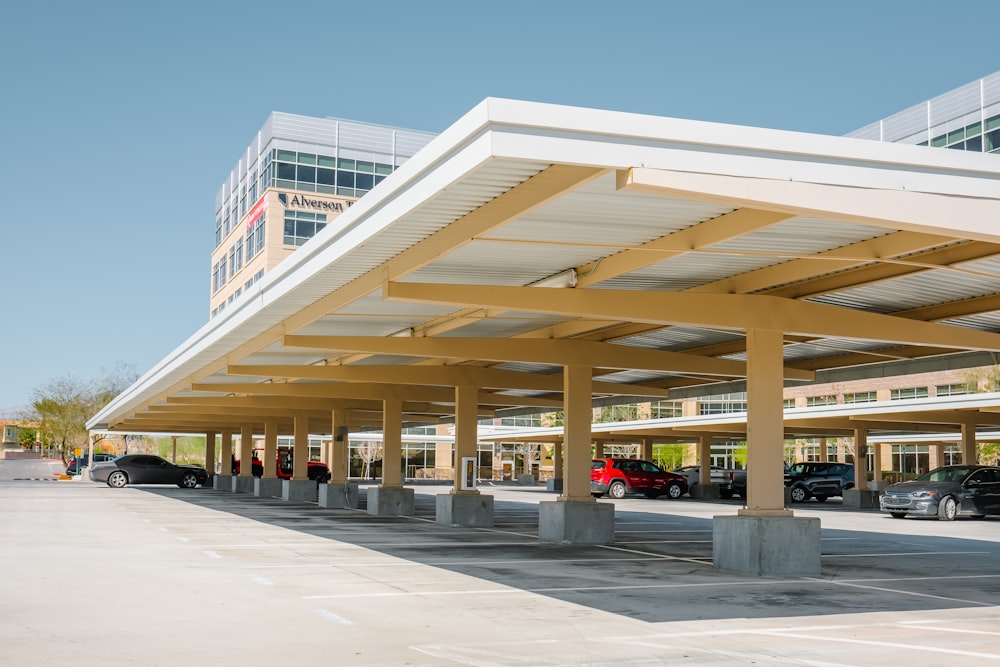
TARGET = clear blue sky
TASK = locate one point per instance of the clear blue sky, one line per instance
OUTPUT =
(120, 120)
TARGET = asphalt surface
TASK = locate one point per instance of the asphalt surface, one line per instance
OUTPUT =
(163, 576)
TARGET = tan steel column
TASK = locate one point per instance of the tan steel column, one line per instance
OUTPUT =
(598, 447)
(877, 463)
(969, 443)
(824, 453)
(246, 451)
(861, 458)
(765, 425)
(576, 433)
(300, 453)
(466, 431)
(341, 444)
(934, 455)
(270, 459)
(705, 458)
(646, 449)
(226, 452)
(557, 460)
(210, 452)
(173, 455)
(392, 439)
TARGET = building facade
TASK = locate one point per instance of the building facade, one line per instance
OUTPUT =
(296, 176)
(966, 118)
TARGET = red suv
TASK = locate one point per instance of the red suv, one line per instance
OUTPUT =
(616, 477)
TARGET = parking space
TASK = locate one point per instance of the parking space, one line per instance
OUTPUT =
(251, 579)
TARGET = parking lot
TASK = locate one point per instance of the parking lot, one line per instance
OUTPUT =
(161, 575)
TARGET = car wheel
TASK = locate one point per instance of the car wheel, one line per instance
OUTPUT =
(189, 480)
(799, 494)
(947, 509)
(617, 490)
(674, 490)
(897, 515)
(821, 499)
(117, 479)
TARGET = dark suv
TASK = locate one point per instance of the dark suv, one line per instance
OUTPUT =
(819, 480)
(616, 477)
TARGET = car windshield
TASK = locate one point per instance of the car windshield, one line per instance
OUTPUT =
(804, 469)
(953, 474)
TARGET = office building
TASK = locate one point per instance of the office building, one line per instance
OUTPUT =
(295, 177)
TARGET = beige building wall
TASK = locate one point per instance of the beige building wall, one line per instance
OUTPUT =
(276, 203)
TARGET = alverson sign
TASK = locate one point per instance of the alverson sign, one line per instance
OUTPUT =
(301, 201)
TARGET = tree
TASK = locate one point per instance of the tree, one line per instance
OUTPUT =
(63, 406)
(370, 451)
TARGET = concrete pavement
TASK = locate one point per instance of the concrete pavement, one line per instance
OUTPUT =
(165, 576)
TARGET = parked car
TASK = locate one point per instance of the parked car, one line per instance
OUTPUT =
(147, 469)
(946, 492)
(720, 476)
(617, 477)
(737, 485)
(77, 463)
(819, 480)
(317, 470)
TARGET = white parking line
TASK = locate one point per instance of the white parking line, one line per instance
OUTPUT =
(909, 553)
(790, 634)
(261, 580)
(910, 593)
(212, 554)
(330, 616)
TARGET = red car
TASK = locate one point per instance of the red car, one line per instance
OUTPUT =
(616, 477)
(317, 470)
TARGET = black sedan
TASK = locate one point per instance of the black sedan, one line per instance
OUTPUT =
(146, 469)
(946, 492)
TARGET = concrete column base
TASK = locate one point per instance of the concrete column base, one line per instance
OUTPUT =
(243, 484)
(709, 491)
(574, 522)
(267, 487)
(222, 482)
(861, 499)
(299, 490)
(390, 501)
(766, 546)
(473, 510)
(338, 495)
(553, 484)
(526, 480)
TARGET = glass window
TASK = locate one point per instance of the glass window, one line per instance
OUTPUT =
(908, 392)
(383, 169)
(345, 179)
(860, 397)
(326, 176)
(974, 144)
(939, 141)
(954, 389)
(821, 400)
(993, 123)
(993, 140)
(366, 167)
(287, 156)
(974, 129)
(345, 164)
(956, 135)
(326, 161)
(307, 158)
(364, 182)
(306, 174)
(286, 171)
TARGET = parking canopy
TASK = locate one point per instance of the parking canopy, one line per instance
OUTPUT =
(529, 237)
